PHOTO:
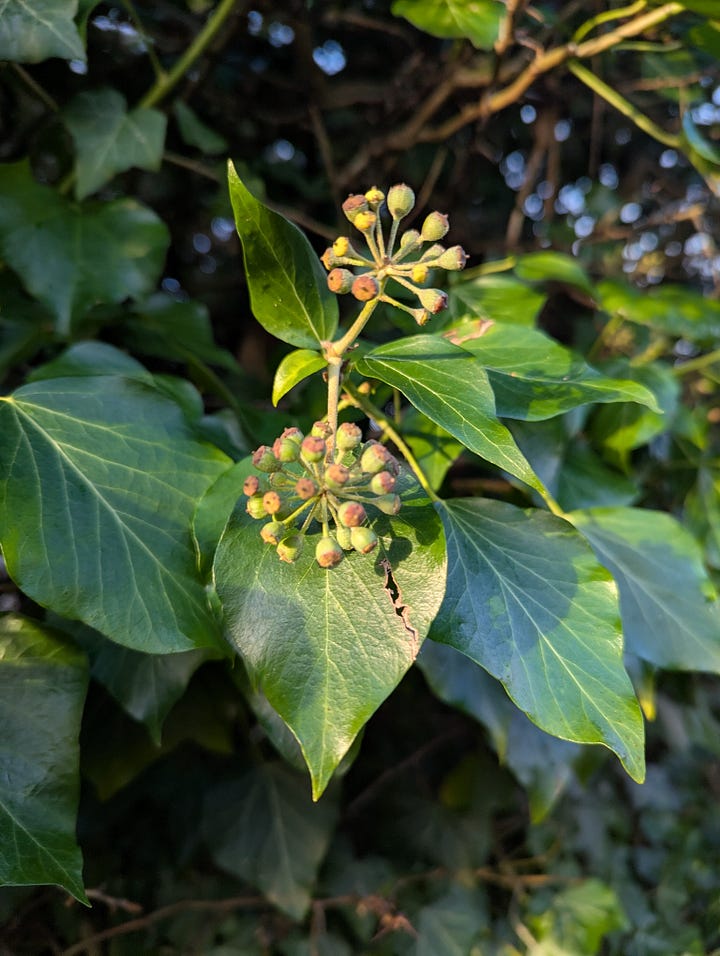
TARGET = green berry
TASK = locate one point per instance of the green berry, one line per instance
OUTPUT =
(336, 477)
(313, 448)
(409, 238)
(255, 507)
(434, 300)
(343, 537)
(382, 483)
(286, 449)
(264, 459)
(289, 547)
(328, 552)
(354, 205)
(348, 436)
(351, 514)
(363, 539)
(321, 429)
(388, 504)
(436, 226)
(375, 458)
(453, 259)
(400, 200)
(272, 532)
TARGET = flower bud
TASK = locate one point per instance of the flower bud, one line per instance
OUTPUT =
(348, 436)
(436, 226)
(419, 274)
(434, 300)
(382, 483)
(340, 281)
(400, 200)
(453, 259)
(354, 205)
(328, 552)
(409, 238)
(341, 246)
(313, 448)
(343, 537)
(251, 485)
(264, 459)
(289, 547)
(388, 504)
(421, 316)
(305, 489)
(365, 287)
(272, 502)
(321, 429)
(351, 514)
(374, 196)
(286, 450)
(365, 221)
(375, 458)
(255, 507)
(329, 259)
(272, 532)
(336, 477)
(433, 252)
(363, 539)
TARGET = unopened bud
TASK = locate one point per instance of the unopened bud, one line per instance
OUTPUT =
(321, 429)
(351, 514)
(453, 259)
(286, 450)
(336, 477)
(329, 259)
(363, 539)
(374, 196)
(340, 281)
(255, 507)
(433, 252)
(348, 436)
(341, 246)
(388, 504)
(400, 200)
(272, 532)
(305, 489)
(264, 459)
(272, 502)
(343, 537)
(375, 458)
(251, 485)
(289, 547)
(354, 205)
(421, 316)
(409, 238)
(382, 483)
(419, 274)
(365, 221)
(328, 552)
(434, 300)
(313, 448)
(436, 226)
(365, 287)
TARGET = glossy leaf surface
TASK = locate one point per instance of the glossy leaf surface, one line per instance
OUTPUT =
(527, 600)
(476, 20)
(33, 31)
(100, 478)
(294, 368)
(43, 681)
(288, 288)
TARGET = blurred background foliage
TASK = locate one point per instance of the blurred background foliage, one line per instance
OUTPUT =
(583, 182)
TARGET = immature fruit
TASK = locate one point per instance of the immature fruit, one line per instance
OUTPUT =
(348, 436)
(321, 429)
(388, 504)
(400, 200)
(273, 532)
(382, 483)
(336, 477)
(409, 238)
(255, 507)
(375, 458)
(328, 552)
(264, 459)
(363, 539)
(305, 489)
(351, 514)
(251, 485)
(436, 226)
(365, 287)
(289, 547)
(453, 259)
(272, 502)
(340, 281)
(286, 449)
(343, 538)
(434, 300)
(354, 205)
(313, 448)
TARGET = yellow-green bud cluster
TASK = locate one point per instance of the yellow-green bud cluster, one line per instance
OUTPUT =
(407, 264)
(308, 484)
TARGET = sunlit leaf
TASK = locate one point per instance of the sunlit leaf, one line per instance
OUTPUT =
(475, 20)
(294, 368)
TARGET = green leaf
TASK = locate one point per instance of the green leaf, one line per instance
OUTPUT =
(100, 478)
(665, 594)
(263, 828)
(196, 133)
(451, 924)
(671, 309)
(475, 20)
(450, 386)
(43, 682)
(327, 647)
(214, 510)
(554, 267)
(109, 139)
(90, 358)
(534, 377)
(578, 919)
(73, 257)
(434, 449)
(288, 288)
(294, 368)
(527, 600)
(34, 31)
(500, 298)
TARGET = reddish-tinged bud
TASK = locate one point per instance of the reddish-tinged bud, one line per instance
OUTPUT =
(328, 552)
(365, 287)
(375, 458)
(365, 221)
(321, 429)
(313, 448)
(251, 485)
(341, 246)
(363, 539)
(340, 281)
(255, 507)
(336, 477)
(434, 300)
(374, 196)
(329, 259)
(264, 459)
(290, 547)
(354, 205)
(351, 514)
(294, 433)
(453, 259)
(272, 532)
(436, 226)
(382, 483)
(388, 504)
(272, 502)
(305, 488)
(400, 200)
(348, 436)
(286, 450)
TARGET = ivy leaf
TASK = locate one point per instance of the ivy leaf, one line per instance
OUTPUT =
(73, 257)
(99, 478)
(527, 600)
(578, 919)
(475, 20)
(500, 298)
(434, 449)
(43, 682)
(294, 368)
(450, 925)
(554, 267)
(671, 309)
(534, 377)
(196, 133)
(37, 30)
(666, 597)
(288, 288)
(449, 385)
(109, 139)
(263, 828)
(327, 647)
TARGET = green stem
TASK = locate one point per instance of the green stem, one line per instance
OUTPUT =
(341, 346)
(372, 411)
(697, 364)
(623, 106)
(167, 81)
(606, 17)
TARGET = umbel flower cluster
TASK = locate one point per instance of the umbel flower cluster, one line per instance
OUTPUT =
(407, 263)
(301, 484)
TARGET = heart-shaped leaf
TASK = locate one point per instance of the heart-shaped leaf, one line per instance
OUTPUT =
(36, 30)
